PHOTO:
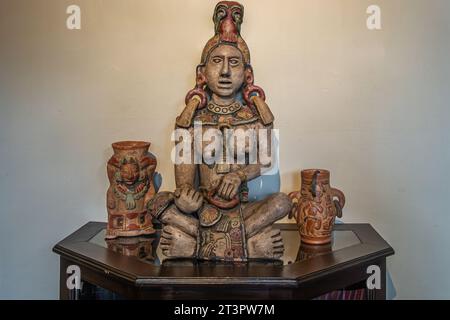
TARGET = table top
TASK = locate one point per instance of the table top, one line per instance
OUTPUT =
(139, 259)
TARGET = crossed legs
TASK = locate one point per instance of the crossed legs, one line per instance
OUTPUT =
(180, 232)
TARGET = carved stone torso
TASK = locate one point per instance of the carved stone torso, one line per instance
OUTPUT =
(244, 119)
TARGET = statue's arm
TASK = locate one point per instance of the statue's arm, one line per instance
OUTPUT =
(251, 171)
(185, 168)
(185, 175)
(187, 199)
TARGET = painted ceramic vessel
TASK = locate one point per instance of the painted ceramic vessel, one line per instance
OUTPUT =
(316, 206)
(130, 173)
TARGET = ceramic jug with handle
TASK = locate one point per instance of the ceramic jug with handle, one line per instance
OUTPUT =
(316, 206)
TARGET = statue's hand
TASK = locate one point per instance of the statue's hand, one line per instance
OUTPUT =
(229, 186)
(188, 199)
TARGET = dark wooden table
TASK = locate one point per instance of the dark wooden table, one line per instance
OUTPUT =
(133, 268)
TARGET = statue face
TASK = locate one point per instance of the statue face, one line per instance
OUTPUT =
(225, 71)
(129, 173)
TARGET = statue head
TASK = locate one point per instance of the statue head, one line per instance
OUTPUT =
(225, 68)
(224, 71)
(129, 171)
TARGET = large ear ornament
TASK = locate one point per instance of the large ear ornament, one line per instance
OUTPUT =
(198, 90)
(250, 89)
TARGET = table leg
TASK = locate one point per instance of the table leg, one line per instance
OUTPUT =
(64, 292)
(379, 294)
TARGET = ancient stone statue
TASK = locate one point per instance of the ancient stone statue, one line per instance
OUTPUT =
(208, 216)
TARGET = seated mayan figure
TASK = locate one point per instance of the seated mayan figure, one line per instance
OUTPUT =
(208, 216)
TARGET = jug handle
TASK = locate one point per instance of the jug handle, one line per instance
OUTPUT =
(294, 195)
(340, 203)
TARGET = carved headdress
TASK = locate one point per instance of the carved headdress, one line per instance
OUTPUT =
(228, 17)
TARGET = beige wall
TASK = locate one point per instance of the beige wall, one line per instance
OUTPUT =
(370, 106)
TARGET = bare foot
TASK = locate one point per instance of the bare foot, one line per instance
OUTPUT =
(266, 244)
(175, 243)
